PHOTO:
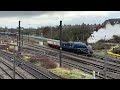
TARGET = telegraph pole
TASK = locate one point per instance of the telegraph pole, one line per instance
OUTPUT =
(19, 38)
(105, 65)
(14, 63)
(7, 32)
(60, 43)
(51, 31)
(28, 38)
(22, 37)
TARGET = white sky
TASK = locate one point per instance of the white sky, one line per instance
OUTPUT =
(44, 18)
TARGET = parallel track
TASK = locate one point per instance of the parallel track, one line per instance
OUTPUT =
(82, 66)
(11, 68)
(6, 73)
(30, 68)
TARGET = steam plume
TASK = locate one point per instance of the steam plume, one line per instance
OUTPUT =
(105, 33)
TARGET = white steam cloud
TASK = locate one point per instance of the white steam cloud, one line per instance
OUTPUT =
(105, 33)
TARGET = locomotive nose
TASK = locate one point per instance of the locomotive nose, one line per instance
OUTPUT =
(90, 49)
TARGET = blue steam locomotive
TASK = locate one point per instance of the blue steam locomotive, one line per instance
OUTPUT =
(75, 47)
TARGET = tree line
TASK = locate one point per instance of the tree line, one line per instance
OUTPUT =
(69, 32)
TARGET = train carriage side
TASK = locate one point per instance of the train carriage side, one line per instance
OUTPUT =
(53, 43)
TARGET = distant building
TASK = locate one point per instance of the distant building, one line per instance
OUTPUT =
(112, 21)
(95, 27)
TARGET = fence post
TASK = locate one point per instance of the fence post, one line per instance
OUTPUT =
(94, 75)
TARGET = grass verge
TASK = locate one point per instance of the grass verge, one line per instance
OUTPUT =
(71, 73)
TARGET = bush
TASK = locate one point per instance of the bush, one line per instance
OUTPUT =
(4, 47)
(11, 50)
(49, 64)
(116, 50)
(100, 46)
(32, 60)
(45, 62)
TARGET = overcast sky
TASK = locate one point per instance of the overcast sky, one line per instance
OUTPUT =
(47, 18)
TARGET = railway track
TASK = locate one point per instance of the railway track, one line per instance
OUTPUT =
(6, 72)
(94, 57)
(84, 67)
(68, 63)
(8, 69)
(109, 61)
(30, 68)
(113, 69)
(67, 55)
